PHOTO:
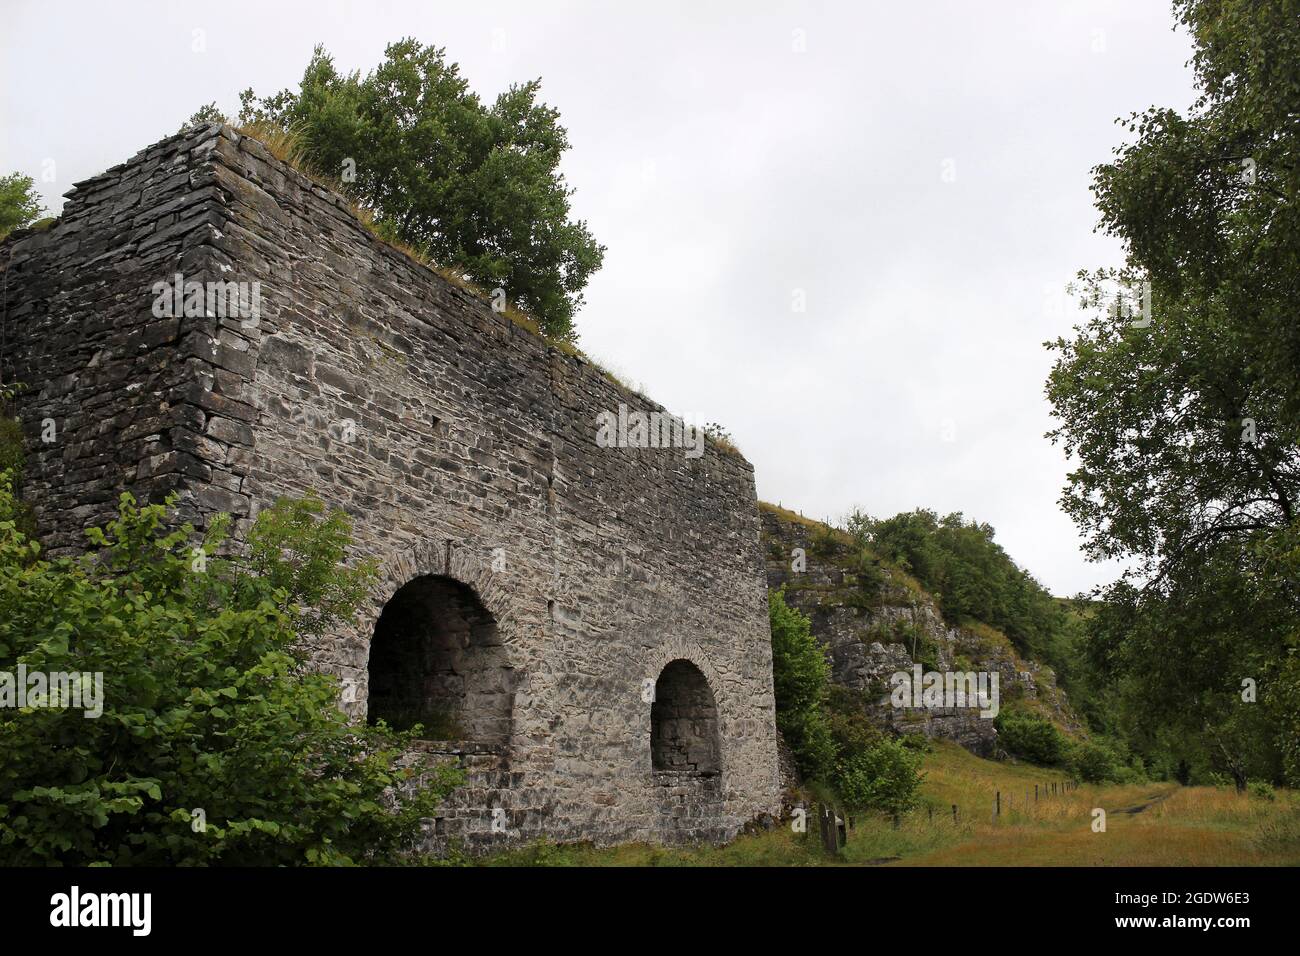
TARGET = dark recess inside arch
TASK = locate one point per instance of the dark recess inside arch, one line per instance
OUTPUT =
(684, 732)
(437, 659)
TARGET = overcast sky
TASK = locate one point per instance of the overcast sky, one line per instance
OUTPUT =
(916, 174)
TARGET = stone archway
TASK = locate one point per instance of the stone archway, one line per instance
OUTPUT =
(437, 658)
(685, 733)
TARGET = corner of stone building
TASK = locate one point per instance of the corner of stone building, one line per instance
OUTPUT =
(117, 382)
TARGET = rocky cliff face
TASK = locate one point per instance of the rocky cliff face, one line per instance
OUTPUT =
(875, 621)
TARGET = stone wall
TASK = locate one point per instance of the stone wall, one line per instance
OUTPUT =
(463, 446)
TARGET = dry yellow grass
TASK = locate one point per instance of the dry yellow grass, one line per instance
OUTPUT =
(1152, 824)
(812, 523)
(1176, 826)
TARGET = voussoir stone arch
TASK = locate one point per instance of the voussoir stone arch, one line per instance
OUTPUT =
(459, 563)
(677, 648)
(684, 649)
(464, 578)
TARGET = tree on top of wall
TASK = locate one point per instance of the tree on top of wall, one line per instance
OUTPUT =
(19, 204)
(476, 187)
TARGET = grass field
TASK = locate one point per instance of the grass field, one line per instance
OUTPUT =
(1154, 824)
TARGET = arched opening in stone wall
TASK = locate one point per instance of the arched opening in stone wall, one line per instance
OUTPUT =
(684, 732)
(437, 659)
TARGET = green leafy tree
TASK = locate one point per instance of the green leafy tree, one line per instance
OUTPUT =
(19, 204)
(215, 744)
(477, 187)
(1184, 421)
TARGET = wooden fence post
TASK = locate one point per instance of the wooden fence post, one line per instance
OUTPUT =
(830, 830)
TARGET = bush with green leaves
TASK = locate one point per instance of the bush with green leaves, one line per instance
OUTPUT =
(871, 771)
(800, 678)
(827, 727)
(883, 777)
(1093, 762)
(216, 743)
(1261, 790)
(1030, 736)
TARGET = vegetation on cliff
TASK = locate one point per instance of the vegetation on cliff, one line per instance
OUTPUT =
(974, 579)
(826, 727)
(968, 570)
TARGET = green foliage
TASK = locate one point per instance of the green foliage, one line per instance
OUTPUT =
(216, 744)
(12, 452)
(1261, 790)
(851, 728)
(826, 725)
(1094, 763)
(883, 777)
(921, 644)
(1030, 736)
(475, 187)
(871, 578)
(1287, 698)
(974, 579)
(871, 771)
(19, 204)
(299, 551)
(13, 455)
(205, 115)
(800, 678)
(1185, 427)
(823, 541)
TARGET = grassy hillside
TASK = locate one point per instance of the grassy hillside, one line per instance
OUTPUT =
(1153, 824)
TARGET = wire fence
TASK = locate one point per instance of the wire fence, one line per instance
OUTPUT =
(835, 829)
